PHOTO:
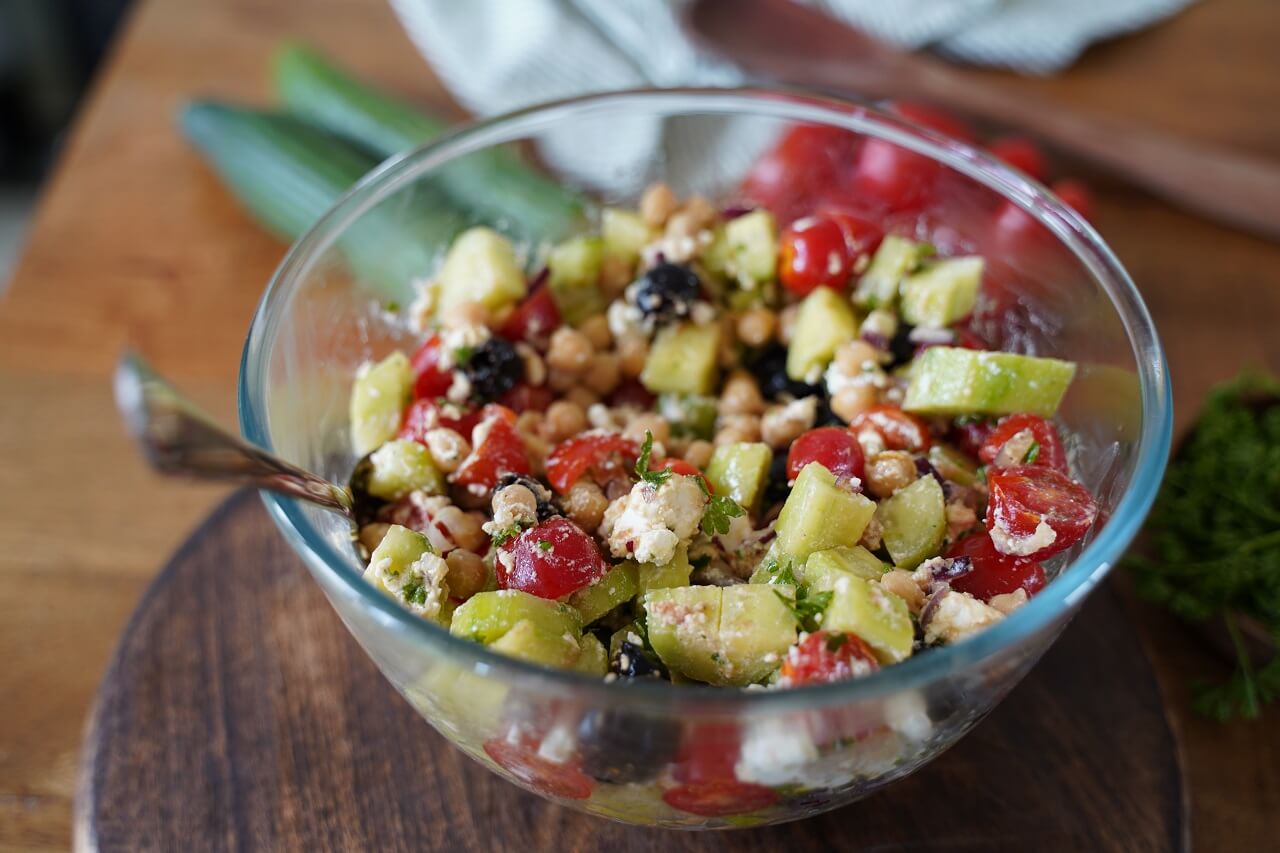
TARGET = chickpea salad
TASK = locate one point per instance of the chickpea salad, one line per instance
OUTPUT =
(699, 447)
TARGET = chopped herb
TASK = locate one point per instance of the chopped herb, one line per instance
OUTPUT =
(503, 535)
(544, 545)
(461, 355)
(981, 474)
(414, 592)
(716, 657)
(1213, 538)
(654, 478)
(780, 572)
(392, 306)
(1032, 454)
(835, 642)
(806, 607)
(720, 509)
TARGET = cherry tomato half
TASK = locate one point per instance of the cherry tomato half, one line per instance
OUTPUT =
(1023, 496)
(425, 414)
(550, 560)
(993, 573)
(826, 656)
(497, 449)
(522, 761)
(604, 455)
(429, 378)
(708, 753)
(800, 170)
(899, 430)
(824, 250)
(680, 466)
(833, 448)
(970, 435)
(717, 799)
(1022, 154)
(1046, 450)
(534, 319)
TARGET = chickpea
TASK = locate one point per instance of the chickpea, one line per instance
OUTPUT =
(648, 422)
(596, 328)
(570, 350)
(564, 419)
(584, 397)
(782, 425)
(787, 323)
(853, 357)
(467, 573)
(466, 313)
(727, 354)
(889, 471)
(657, 204)
(741, 395)
(604, 373)
(535, 369)
(561, 380)
(901, 584)
(616, 273)
(757, 326)
(698, 453)
(960, 518)
(447, 448)
(852, 400)
(699, 211)
(529, 422)
(738, 428)
(515, 504)
(632, 350)
(585, 505)
(464, 528)
(371, 535)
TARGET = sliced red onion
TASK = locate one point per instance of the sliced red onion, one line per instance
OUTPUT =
(733, 211)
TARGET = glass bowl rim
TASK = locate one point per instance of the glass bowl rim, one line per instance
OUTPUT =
(1071, 585)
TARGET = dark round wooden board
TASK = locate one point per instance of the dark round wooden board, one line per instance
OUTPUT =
(239, 714)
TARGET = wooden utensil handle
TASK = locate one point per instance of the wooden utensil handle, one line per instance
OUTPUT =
(1228, 186)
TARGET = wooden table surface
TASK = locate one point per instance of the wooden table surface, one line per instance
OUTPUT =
(134, 242)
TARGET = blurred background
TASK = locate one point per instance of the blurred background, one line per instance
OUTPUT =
(48, 52)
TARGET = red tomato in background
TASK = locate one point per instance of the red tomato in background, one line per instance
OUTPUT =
(934, 118)
(833, 448)
(534, 319)
(522, 761)
(708, 753)
(604, 455)
(800, 170)
(680, 466)
(1024, 495)
(1075, 195)
(898, 178)
(496, 449)
(824, 250)
(717, 799)
(899, 430)
(632, 393)
(1022, 154)
(993, 573)
(425, 414)
(827, 656)
(525, 397)
(1043, 432)
(1014, 231)
(551, 560)
(429, 378)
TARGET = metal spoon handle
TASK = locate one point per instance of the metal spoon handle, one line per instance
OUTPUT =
(178, 439)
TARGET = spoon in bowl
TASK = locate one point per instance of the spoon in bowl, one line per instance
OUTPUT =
(179, 439)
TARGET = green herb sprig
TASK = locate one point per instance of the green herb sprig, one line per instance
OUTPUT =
(654, 478)
(807, 606)
(1213, 538)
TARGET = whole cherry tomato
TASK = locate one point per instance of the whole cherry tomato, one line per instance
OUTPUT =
(1075, 195)
(534, 319)
(833, 448)
(1046, 447)
(899, 178)
(898, 429)
(1024, 496)
(604, 455)
(550, 560)
(992, 573)
(826, 656)
(1022, 154)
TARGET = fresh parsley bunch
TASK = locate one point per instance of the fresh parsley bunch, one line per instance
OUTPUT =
(1214, 535)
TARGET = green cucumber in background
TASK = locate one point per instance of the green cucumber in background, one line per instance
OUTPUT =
(287, 173)
(495, 184)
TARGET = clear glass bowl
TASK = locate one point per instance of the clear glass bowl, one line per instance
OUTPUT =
(794, 753)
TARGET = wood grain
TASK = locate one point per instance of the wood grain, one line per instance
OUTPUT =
(134, 241)
(239, 714)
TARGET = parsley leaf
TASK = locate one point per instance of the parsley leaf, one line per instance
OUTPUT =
(806, 607)
(544, 545)
(835, 642)
(414, 592)
(654, 478)
(503, 535)
(1213, 537)
(1032, 454)
(720, 509)
(461, 355)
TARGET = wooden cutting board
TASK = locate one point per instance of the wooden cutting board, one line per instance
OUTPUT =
(239, 714)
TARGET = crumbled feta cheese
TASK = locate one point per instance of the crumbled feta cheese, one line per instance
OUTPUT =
(459, 389)
(1022, 546)
(648, 523)
(423, 308)
(1008, 602)
(907, 714)
(420, 588)
(1015, 449)
(956, 615)
(624, 318)
(777, 751)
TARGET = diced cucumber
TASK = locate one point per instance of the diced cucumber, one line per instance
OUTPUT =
(620, 584)
(819, 514)
(402, 466)
(684, 629)
(727, 636)
(690, 415)
(405, 568)
(856, 561)
(527, 640)
(954, 465)
(486, 616)
(592, 658)
(673, 574)
(896, 258)
(865, 608)
(378, 398)
(740, 470)
(956, 381)
(625, 234)
(942, 292)
(825, 321)
(746, 249)
(573, 269)
(481, 266)
(683, 359)
(915, 522)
